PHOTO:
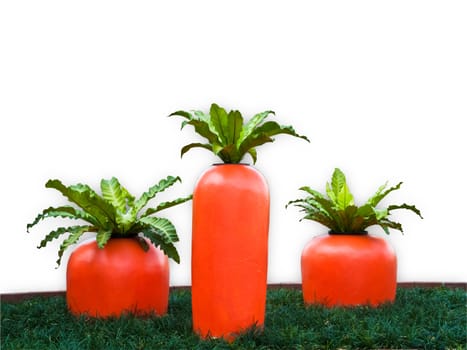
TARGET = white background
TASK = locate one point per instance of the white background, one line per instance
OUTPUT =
(380, 88)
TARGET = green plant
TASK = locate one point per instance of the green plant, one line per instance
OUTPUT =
(420, 318)
(114, 214)
(228, 136)
(339, 213)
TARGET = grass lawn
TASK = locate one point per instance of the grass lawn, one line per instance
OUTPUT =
(421, 318)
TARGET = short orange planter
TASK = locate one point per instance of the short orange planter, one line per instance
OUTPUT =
(348, 270)
(121, 277)
(229, 250)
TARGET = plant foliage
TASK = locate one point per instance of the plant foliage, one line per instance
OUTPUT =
(228, 137)
(115, 213)
(420, 318)
(337, 210)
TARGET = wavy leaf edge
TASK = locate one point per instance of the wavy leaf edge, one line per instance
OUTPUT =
(335, 209)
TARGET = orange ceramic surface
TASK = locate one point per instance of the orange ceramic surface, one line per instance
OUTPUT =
(229, 250)
(120, 277)
(348, 270)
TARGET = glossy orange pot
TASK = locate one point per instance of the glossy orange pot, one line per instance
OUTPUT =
(121, 277)
(348, 270)
(229, 250)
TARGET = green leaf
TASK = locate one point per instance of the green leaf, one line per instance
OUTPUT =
(151, 193)
(386, 229)
(235, 126)
(115, 213)
(296, 202)
(312, 192)
(228, 137)
(272, 128)
(346, 217)
(88, 200)
(332, 196)
(61, 230)
(143, 243)
(201, 124)
(380, 194)
(251, 125)
(324, 207)
(125, 221)
(365, 210)
(322, 219)
(121, 201)
(54, 235)
(63, 212)
(380, 213)
(167, 247)
(114, 193)
(220, 123)
(357, 224)
(385, 224)
(405, 206)
(229, 154)
(344, 198)
(165, 205)
(186, 148)
(252, 142)
(183, 114)
(375, 199)
(103, 237)
(252, 153)
(320, 209)
(339, 213)
(337, 183)
(162, 226)
(76, 233)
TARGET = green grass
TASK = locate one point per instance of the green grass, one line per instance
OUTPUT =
(431, 318)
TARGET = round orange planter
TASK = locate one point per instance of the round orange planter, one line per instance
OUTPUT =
(229, 250)
(121, 277)
(348, 270)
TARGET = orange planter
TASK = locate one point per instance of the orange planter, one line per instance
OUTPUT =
(348, 270)
(229, 250)
(121, 277)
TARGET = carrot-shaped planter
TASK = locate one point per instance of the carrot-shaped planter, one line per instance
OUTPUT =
(229, 250)
(230, 224)
(348, 270)
(118, 271)
(348, 267)
(119, 277)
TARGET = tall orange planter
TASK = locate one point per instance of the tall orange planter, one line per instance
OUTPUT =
(121, 277)
(229, 250)
(348, 270)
